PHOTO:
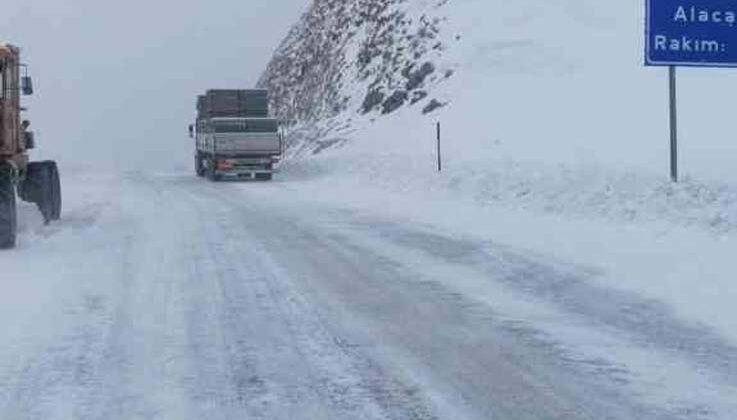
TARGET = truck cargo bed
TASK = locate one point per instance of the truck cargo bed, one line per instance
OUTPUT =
(217, 103)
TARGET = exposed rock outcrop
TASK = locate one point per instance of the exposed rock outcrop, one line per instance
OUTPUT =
(357, 57)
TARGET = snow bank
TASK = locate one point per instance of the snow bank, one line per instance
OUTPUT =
(491, 179)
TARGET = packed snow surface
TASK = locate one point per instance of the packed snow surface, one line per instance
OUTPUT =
(163, 296)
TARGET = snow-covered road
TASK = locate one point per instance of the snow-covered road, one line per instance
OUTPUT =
(168, 297)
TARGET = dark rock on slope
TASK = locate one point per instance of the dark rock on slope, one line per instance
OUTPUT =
(356, 57)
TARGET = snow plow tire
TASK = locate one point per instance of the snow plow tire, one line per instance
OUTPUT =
(43, 187)
(55, 186)
(8, 210)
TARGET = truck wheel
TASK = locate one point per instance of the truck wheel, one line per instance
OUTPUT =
(55, 186)
(199, 168)
(8, 211)
(211, 174)
(264, 177)
(42, 186)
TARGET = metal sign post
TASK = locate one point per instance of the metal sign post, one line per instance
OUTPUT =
(694, 33)
(673, 126)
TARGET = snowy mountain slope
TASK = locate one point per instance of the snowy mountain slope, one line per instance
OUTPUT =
(362, 57)
(547, 105)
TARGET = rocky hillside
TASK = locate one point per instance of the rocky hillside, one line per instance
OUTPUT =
(357, 57)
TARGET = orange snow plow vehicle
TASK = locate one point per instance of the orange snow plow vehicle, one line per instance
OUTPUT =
(34, 182)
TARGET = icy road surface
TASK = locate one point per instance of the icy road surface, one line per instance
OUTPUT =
(168, 297)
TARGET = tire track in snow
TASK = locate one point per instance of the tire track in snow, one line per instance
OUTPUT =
(322, 370)
(647, 322)
(611, 367)
(705, 365)
(455, 354)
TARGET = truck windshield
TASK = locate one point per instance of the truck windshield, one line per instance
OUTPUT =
(245, 126)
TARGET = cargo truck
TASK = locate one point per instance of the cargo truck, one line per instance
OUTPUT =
(34, 182)
(235, 137)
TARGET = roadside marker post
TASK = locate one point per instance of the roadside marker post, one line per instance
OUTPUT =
(688, 33)
(440, 159)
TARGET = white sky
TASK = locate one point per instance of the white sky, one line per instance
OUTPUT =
(116, 81)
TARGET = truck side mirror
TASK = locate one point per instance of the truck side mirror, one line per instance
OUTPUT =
(27, 85)
(191, 131)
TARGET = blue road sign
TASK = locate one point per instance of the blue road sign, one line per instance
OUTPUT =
(691, 33)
